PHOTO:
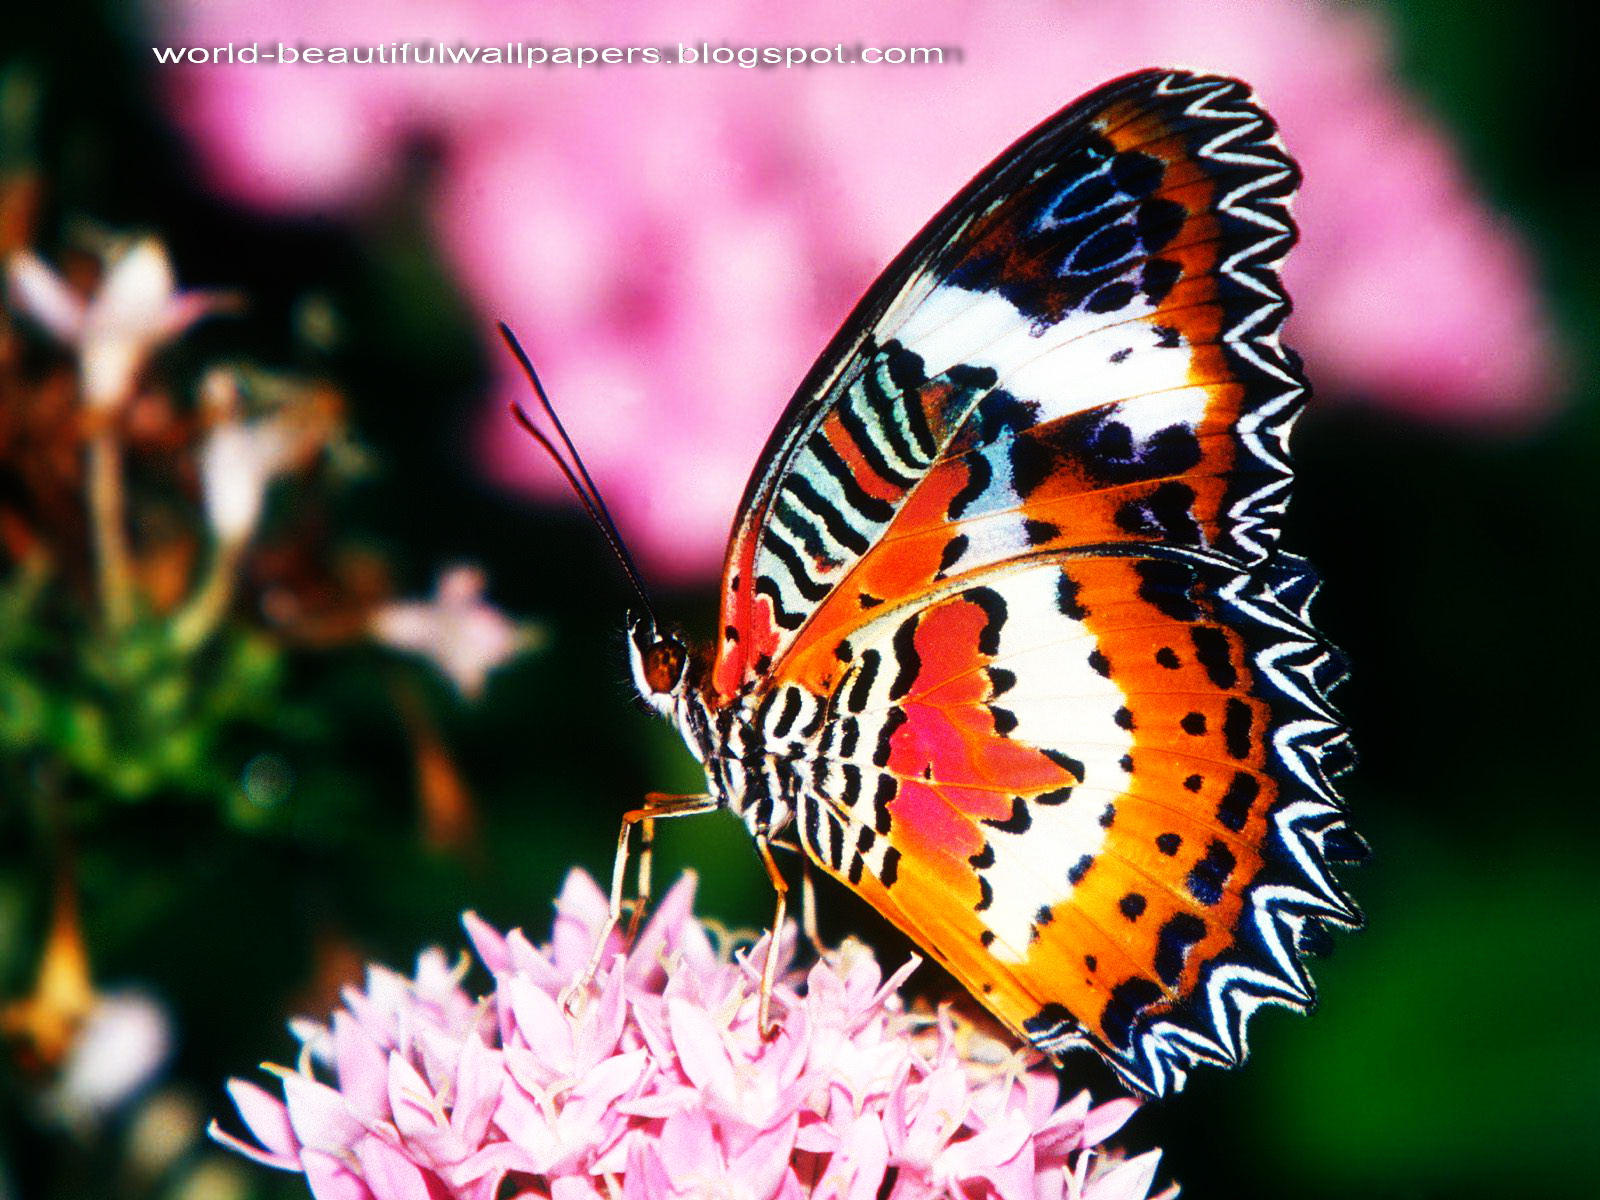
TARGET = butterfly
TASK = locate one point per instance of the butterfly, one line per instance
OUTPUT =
(1007, 642)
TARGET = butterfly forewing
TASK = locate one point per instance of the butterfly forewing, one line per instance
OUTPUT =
(1016, 539)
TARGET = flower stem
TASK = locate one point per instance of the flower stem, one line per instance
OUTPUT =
(205, 611)
(113, 563)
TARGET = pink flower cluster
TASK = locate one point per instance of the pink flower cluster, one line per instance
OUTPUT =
(675, 244)
(660, 1084)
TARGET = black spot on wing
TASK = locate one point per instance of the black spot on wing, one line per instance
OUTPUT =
(1067, 589)
(1103, 447)
(1208, 879)
(1236, 725)
(1214, 654)
(1066, 762)
(864, 676)
(1178, 934)
(1233, 810)
(1137, 174)
(906, 657)
(789, 713)
(1159, 277)
(883, 793)
(1341, 844)
(895, 718)
(891, 867)
(1169, 587)
(993, 605)
(1103, 248)
(1166, 512)
(1019, 820)
(1040, 532)
(1113, 297)
(953, 550)
(1159, 221)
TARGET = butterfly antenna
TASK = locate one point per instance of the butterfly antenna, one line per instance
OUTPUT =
(573, 470)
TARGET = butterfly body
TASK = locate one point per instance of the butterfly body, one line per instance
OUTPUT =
(1006, 634)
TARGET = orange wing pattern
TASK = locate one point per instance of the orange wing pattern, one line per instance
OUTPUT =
(1004, 619)
(1088, 818)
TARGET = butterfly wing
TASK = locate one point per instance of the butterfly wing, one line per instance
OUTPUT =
(1097, 312)
(1096, 789)
(1016, 537)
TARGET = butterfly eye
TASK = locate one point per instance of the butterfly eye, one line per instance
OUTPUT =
(663, 665)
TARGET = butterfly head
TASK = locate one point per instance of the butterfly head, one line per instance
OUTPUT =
(660, 663)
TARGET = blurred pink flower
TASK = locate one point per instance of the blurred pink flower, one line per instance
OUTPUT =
(463, 635)
(660, 1085)
(677, 243)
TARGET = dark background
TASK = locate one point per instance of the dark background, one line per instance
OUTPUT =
(1455, 1052)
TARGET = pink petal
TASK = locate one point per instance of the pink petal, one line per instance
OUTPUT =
(601, 1030)
(542, 1024)
(700, 1050)
(266, 1116)
(859, 1165)
(416, 1111)
(527, 1124)
(488, 943)
(320, 1116)
(282, 1162)
(688, 1150)
(477, 1090)
(45, 296)
(1104, 1121)
(389, 1173)
(362, 1067)
(759, 1167)
(1129, 1180)
(331, 1178)
(588, 1105)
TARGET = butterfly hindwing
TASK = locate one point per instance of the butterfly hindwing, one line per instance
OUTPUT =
(1013, 554)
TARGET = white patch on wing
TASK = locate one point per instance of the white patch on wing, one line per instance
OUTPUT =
(1030, 869)
(1084, 361)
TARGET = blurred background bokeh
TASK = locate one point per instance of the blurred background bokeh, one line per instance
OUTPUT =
(302, 653)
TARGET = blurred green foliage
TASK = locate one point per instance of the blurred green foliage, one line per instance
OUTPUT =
(1454, 1054)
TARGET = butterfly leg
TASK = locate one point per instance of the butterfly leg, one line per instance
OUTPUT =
(769, 969)
(808, 905)
(653, 802)
(808, 894)
(655, 805)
